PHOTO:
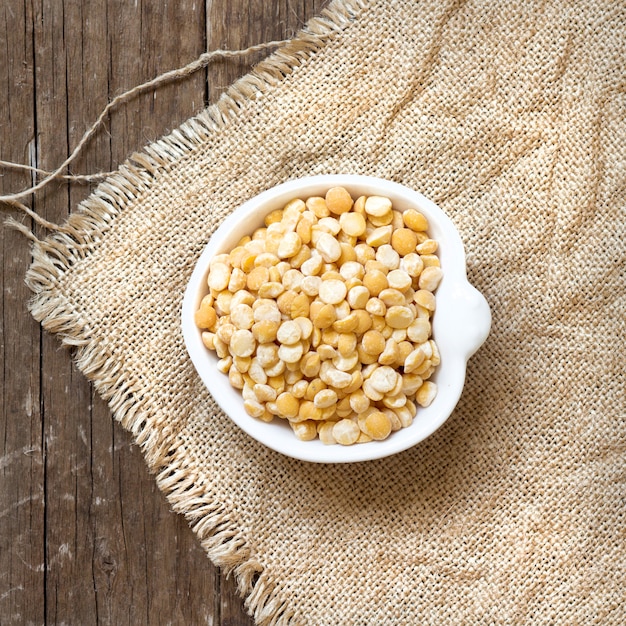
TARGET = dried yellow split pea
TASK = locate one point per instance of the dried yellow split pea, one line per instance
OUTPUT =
(322, 317)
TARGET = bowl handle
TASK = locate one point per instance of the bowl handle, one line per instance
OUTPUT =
(470, 318)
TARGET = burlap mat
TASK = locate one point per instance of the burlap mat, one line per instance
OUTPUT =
(511, 116)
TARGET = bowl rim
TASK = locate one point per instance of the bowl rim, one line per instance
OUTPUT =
(454, 291)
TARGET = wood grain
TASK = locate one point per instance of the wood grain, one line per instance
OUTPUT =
(22, 471)
(85, 535)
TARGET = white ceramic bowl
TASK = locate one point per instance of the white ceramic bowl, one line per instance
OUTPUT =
(460, 324)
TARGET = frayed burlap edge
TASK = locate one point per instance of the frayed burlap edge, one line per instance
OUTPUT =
(81, 234)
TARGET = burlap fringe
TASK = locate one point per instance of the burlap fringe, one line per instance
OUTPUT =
(82, 233)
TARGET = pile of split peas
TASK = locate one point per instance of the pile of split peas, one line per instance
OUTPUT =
(323, 317)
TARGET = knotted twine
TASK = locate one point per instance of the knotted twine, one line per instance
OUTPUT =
(511, 116)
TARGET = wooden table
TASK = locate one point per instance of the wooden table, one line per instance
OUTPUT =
(85, 536)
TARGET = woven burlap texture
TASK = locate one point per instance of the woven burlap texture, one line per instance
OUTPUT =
(512, 117)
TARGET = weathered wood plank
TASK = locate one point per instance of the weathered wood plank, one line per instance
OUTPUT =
(65, 394)
(87, 77)
(21, 452)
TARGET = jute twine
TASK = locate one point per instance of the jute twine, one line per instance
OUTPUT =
(512, 117)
